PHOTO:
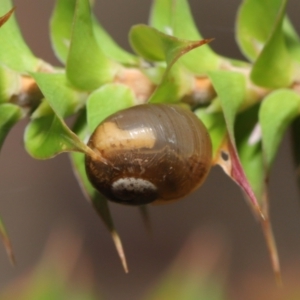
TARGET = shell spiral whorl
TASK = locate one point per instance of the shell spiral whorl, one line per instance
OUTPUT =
(154, 153)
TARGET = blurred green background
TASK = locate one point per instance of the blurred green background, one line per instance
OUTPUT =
(38, 197)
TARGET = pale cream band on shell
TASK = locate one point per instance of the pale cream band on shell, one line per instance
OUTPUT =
(116, 139)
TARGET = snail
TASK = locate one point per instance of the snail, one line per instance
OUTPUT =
(149, 153)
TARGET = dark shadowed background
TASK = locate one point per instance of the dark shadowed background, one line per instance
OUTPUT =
(38, 196)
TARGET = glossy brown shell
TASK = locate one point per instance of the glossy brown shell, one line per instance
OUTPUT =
(154, 152)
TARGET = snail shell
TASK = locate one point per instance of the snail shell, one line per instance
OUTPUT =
(153, 152)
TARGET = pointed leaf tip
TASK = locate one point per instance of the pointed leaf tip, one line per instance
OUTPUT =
(231, 91)
(101, 206)
(176, 18)
(4, 18)
(229, 161)
(7, 243)
(118, 244)
(15, 53)
(144, 212)
(98, 202)
(271, 244)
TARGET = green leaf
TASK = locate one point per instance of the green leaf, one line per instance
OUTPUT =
(231, 91)
(14, 52)
(10, 114)
(250, 150)
(176, 81)
(61, 96)
(175, 84)
(277, 111)
(10, 83)
(61, 27)
(250, 154)
(155, 45)
(216, 127)
(161, 16)
(80, 128)
(87, 66)
(111, 48)
(252, 35)
(98, 201)
(48, 136)
(150, 43)
(175, 18)
(292, 39)
(274, 66)
(107, 100)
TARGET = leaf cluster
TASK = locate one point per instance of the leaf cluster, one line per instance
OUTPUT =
(246, 105)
